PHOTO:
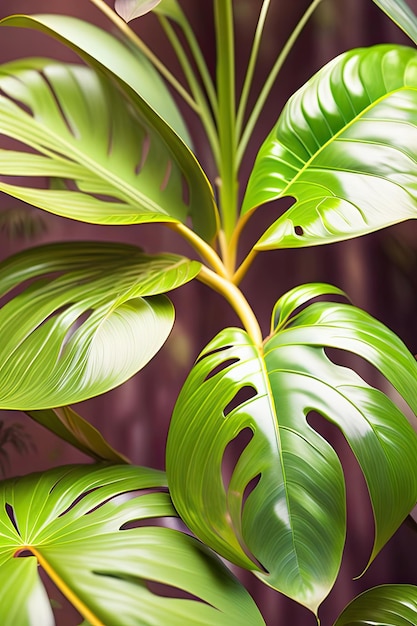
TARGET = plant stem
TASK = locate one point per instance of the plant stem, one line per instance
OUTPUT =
(236, 299)
(266, 89)
(206, 115)
(251, 66)
(244, 266)
(228, 185)
(137, 41)
(205, 251)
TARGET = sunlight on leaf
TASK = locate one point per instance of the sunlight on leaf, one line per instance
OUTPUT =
(130, 9)
(387, 605)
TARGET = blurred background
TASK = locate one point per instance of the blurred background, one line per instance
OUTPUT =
(377, 271)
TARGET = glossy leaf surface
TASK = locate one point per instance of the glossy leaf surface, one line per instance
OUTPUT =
(90, 316)
(345, 148)
(387, 605)
(285, 500)
(400, 13)
(177, 172)
(69, 426)
(76, 522)
(83, 132)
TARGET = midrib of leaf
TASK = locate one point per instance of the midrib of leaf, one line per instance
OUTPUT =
(76, 602)
(274, 412)
(337, 135)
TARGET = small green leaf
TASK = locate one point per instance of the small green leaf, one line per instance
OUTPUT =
(91, 317)
(77, 523)
(345, 148)
(387, 605)
(401, 14)
(284, 505)
(71, 427)
(130, 9)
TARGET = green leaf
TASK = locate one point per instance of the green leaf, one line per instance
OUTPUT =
(76, 522)
(131, 9)
(177, 183)
(345, 148)
(89, 317)
(293, 520)
(84, 132)
(71, 427)
(400, 13)
(387, 605)
(171, 9)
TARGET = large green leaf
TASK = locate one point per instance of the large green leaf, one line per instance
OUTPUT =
(293, 520)
(76, 523)
(401, 14)
(345, 148)
(387, 605)
(174, 180)
(90, 315)
(83, 131)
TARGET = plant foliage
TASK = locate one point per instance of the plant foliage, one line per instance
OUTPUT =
(103, 141)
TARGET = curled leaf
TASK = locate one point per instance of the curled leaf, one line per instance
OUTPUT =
(130, 9)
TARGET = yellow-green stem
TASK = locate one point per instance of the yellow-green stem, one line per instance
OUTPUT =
(137, 41)
(206, 252)
(244, 266)
(236, 299)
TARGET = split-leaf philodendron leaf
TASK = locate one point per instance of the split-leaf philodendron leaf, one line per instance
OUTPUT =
(76, 523)
(105, 136)
(89, 317)
(345, 147)
(293, 520)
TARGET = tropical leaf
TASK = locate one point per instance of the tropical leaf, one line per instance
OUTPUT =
(400, 13)
(387, 605)
(293, 520)
(90, 317)
(69, 426)
(76, 523)
(177, 183)
(131, 9)
(83, 132)
(345, 148)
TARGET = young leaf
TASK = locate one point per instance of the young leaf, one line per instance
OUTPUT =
(345, 148)
(150, 100)
(76, 522)
(91, 317)
(130, 9)
(401, 14)
(293, 520)
(387, 605)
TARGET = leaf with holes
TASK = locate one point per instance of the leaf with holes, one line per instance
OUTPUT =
(77, 523)
(81, 129)
(282, 513)
(345, 148)
(89, 316)
(387, 605)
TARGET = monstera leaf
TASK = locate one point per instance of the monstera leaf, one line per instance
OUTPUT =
(76, 522)
(345, 148)
(282, 513)
(387, 605)
(116, 146)
(91, 317)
